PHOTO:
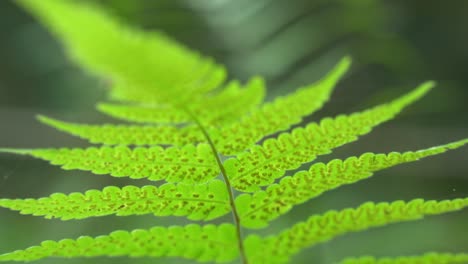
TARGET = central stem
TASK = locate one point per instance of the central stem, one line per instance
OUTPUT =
(235, 215)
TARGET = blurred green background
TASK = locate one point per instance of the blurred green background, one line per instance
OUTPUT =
(395, 46)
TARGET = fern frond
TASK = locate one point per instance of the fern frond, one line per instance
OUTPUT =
(279, 114)
(226, 106)
(261, 165)
(197, 202)
(431, 257)
(320, 228)
(149, 67)
(202, 243)
(263, 206)
(189, 164)
(137, 135)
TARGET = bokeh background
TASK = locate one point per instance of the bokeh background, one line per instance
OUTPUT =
(395, 46)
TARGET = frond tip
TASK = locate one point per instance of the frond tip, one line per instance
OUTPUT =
(431, 257)
(142, 65)
(202, 243)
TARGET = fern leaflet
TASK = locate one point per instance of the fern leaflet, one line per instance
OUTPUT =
(197, 202)
(202, 243)
(188, 164)
(258, 209)
(137, 135)
(432, 257)
(320, 228)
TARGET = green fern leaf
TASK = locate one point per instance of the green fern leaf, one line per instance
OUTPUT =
(431, 257)
(147, 65)
(320, 228)
(280, 114)
(188, 164)
(263, 164)
(176, 98)
(207, 243)
(257, 210)
(197, 202)
(129, 134)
